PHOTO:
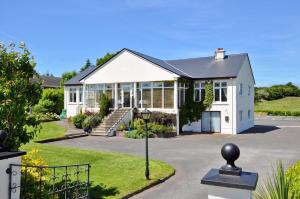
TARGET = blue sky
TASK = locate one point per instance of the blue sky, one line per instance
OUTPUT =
(63, 34)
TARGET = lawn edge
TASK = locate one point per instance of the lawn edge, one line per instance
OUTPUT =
(66, 137)
(152, 184)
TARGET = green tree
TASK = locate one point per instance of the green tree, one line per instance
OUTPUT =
(104, 106)
(86, 65)
(66, 76)
(18, 94)
(52, 101)
(104, 59)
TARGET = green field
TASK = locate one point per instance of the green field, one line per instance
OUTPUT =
(113, 175)
(286, 104)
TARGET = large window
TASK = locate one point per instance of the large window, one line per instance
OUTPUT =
(199, 91)
(94, 92)
(72, 95)
(220, 91)
(155, 94)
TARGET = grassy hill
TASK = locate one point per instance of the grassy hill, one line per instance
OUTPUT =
(288, 104)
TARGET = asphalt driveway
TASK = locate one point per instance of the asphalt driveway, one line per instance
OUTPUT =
(193, 155)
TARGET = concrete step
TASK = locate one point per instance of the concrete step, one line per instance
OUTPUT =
(99, 133)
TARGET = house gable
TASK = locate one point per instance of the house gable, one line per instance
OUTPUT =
(128, 67)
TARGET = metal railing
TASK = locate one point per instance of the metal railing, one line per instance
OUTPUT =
(49, 182)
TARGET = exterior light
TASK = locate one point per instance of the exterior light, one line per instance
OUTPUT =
(146, 114)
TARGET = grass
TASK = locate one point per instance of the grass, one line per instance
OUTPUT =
(284, 104)
(113, 175)
(50, 130)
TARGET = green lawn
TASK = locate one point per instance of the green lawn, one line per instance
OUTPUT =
(115, 174)
(50, 130)
(285, 104)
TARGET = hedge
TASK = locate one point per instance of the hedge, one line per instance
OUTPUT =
(279, 113)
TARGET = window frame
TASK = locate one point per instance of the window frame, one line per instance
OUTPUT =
(220, 87)
(72, 95)
(241, 115)
(199, 88)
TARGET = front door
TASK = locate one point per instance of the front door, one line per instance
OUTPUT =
(126, 92)
(211, 121)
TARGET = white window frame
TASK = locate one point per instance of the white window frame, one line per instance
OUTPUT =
(220, 91)
(73, 92)
(200, 87)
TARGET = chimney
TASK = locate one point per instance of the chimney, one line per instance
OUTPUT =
(219, 54)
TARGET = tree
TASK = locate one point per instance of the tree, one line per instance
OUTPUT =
(52, 101)
(87, 64)
(104, 59)
(66, 76)
(18, 94)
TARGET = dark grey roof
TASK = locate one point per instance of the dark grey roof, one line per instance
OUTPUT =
(208, 67)
(76, 80)
(196, 68)
(48, 81)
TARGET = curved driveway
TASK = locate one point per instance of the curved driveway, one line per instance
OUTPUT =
(193, 155)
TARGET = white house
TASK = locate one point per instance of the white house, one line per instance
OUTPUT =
(132, 79)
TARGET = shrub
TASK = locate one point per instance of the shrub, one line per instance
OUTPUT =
(167, 119)
(104, 106)
(78, 120)
(279, 113)
(33, 158)
(281, 91)
(122, 127)
(276, 186)
(138, 134)
(157, 128)
(92, 121)
(46, 117)
(52, 101)
(293, 175)
(139, 124)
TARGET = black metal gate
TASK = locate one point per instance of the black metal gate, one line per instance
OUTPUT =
(49, 182)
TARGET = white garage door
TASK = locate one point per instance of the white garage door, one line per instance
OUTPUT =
(211, 121)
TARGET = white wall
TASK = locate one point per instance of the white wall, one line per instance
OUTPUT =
(245, 102)
(4, 164)
(73, 108)
(215, 192)
(128, 67)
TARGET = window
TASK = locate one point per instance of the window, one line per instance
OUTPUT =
(249, 114)
(181, 94)
(199, 91)
(241, 89)
(72, 95)
(80, 94)
(157, 94)
(220, 91)
(249, 90)
(146, 94)
(241, 115)
(168, 94)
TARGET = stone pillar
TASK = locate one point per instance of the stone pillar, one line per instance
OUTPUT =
(116, 96)
(230, 182)
(7, 158)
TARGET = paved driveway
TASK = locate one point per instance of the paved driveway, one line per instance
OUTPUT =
(193, 155)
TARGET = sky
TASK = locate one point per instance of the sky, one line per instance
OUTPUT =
(62, 35)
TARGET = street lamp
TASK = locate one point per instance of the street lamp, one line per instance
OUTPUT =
(146, 114)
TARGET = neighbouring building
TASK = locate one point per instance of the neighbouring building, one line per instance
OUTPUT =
(132, 79)
(48, 81)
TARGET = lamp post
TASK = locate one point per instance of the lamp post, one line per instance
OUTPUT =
(146, 114)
